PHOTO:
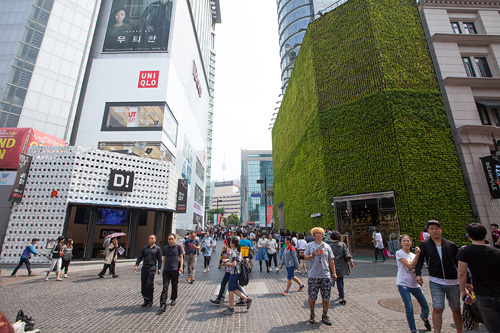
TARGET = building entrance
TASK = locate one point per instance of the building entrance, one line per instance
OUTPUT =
(89, 225)
(358, 215)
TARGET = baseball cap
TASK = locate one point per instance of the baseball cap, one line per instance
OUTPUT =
(434, 222)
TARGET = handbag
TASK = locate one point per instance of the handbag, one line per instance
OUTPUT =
(471, 317)
(30, 322)
(203, 249)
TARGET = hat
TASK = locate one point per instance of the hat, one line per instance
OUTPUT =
(434, 222)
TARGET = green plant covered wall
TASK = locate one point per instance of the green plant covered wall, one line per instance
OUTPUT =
(362, 113)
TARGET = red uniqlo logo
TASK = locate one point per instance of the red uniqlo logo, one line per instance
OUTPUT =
(148, 79)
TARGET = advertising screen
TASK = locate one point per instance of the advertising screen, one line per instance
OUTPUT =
(113, 216)
(138, 26)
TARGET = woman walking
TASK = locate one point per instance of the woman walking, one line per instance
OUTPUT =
(110, 259)
(235, 269)
(301, 247)
(407, 284)
(262, 251)
(291, 262)
(207, 247)
(343, 259)
(67, 256)
(271, 252)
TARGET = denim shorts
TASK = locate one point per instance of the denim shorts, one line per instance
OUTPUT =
(233, 282)
(438, 292)
(290, 273)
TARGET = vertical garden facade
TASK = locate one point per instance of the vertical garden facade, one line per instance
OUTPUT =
(363, 114)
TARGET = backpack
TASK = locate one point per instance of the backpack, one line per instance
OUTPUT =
(244, 276)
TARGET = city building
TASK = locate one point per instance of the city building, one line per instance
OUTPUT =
(293, 19)
(227, 195)
(160, 106)
(464, 40)
(86, 194)
(362, 138)
(44, 48)
(256, 181)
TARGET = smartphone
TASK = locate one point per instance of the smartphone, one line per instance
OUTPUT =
(468, 300)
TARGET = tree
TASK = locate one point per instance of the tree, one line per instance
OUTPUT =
(211, 213)
(233, 219)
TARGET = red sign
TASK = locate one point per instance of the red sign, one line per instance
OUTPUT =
(14, 141)
(148, 79)
(269, 212)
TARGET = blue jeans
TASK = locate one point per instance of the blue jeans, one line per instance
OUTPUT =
(438, 293)
(223, 284)
(21, 262)
(406, 293)
(489, 307)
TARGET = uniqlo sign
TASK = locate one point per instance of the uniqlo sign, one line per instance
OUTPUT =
(148, 79)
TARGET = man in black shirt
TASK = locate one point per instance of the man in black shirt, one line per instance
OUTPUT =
(151, 254)
(173, 257)
(484, 264)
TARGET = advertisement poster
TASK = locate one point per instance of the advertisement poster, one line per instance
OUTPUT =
(138, 26)
(198, 194)
(492, 172)
(22, 178)
(187, 152)
(8, 177)
(14, 141)
(269, 215)
(200, 170)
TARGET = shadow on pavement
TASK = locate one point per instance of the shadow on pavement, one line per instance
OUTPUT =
(303, 326)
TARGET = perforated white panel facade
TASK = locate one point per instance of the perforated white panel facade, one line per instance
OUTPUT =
(81, 175)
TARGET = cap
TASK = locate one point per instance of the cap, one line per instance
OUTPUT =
(434, 222)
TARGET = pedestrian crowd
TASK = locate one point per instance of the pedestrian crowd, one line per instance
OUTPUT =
(469, 275)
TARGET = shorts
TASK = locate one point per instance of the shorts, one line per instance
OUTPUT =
(233, 282)
(314, 285)
(438, 291)
(290, 273)
(55, 263)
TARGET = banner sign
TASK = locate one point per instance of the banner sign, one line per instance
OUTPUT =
(138, 26)
(492, 172)
(182, 189)
(22, 177)
(121, 180)
(269, 212)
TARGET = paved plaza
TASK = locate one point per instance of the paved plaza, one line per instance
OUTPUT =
(85, 303)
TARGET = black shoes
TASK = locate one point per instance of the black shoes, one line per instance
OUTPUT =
(426, 323)
(342, 302)
(100, 275)
(241, 303)
(146, 303)
(173, 302)
(163, 308)
(249, 303)
(326, 320)
(215, 301)
(311, 318)
(115, 276)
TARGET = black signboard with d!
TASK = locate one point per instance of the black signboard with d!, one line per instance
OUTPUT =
(182, 190)
(121, 180)
(22, 177)
(492, 173)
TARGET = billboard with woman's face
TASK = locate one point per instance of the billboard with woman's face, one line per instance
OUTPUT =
(138, 26)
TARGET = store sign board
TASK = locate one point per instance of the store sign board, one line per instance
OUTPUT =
(492, 172)
(148, 79)
(120, 180)
(22, 177)
(182, 189)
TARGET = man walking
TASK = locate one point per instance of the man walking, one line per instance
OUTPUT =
(26, 256)
(495, 235)
(151, 254)
(321, 273)
(173, 257)
(484, 264)
(191, 247)
(440, 255)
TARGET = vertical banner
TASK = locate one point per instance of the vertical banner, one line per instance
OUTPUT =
(22, 177)
(492, 172)
(269, 216)
(182, 189)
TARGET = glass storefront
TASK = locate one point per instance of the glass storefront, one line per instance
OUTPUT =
(358, 215)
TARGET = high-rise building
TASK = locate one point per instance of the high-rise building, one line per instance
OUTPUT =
(43, 55)
(465, 47)
(227, 195)
(293, 19)
(256, 182)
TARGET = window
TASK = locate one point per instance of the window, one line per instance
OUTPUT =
(154, 150)
(496, 115)
(476, 67)
(456, 27)
(483, 114)
(469, 28)
(482, 67)
(469, 70)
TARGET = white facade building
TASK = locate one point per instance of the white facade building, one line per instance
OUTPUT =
(227, 195)
(464, 40)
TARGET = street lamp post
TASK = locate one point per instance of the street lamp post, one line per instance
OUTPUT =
(264, 181)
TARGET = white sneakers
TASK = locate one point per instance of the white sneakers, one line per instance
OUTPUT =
(58, 279)
(47, 278)
(65, 275)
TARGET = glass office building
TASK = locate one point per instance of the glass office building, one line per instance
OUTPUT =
(256, 165)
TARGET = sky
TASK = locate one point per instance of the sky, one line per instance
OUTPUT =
(247, 82)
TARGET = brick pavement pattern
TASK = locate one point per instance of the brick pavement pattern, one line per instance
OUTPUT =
(85, 303)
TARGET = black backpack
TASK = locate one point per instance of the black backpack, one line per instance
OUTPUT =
(244, 276)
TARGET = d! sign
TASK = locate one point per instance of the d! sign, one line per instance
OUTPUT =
(121, 180)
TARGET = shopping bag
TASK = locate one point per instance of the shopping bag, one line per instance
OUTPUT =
(30, 322)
